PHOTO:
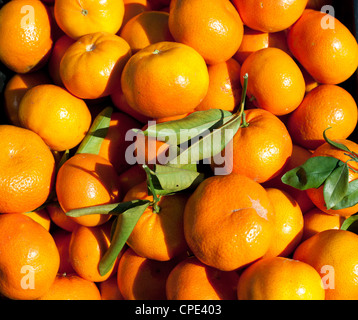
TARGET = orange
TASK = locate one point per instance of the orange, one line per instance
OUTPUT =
(193, 280)
(318, 4)
(270, 15)
(16, 88)
(279, 278)
(29, 258)
(40, 216)
(228, 221)
(62, 239)
(140, 278)
(25, 35)
(133, 8)
(267, 146)
(212, 27)
(288, 223)
(131, 177)
(316, 221)
(323, 107)
(158, 236)
(326, 150)
(59, 118)
(328, 51)
(87, 247)
(72, 287)
(91, 67)
(27, 170)
(59, 218)
(78, 18)
(254, 40)
(159, 4)
(224, 86)
(275, 81)
(114, 145)
(165, 79)
(87, 180)
(109, 289)
(146, 28)
(58, 51)
(333, 253)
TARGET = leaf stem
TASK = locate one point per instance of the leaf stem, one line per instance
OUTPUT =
(241, 111)
(151, 188)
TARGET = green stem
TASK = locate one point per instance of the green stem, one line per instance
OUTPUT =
(241, 110)
(156, 198)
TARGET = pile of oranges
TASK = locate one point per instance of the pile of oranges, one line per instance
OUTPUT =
(277, 67)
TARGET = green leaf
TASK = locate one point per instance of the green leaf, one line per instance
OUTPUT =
(312, 174)
(93, 140)
(335, 144)
(351, 197)
(336, 186)
(351, 224)
(122, 230)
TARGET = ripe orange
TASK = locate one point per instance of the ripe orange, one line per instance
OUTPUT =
(87, 247)
(146, 28)
(328, 52)
(87, 180)
(91, 68)
(59, 218)
(72, 287)
(270, 15)
(315, 221)
(139, 278)
(267, 146)
(212, 27)
(254, 40)
(131, 177)
(158, 236)
(288, 223)
(325, 106)
(40, 216)
(25, 35)
(165, 79)
(58, 51)
(27, 170)
(224, 86)
(275, 81)
(193, 280)
(29, 258)
(109, 289)
(133, 8)
(242, 209)
(280, 278)
(333, 253)
(326, 150)
(62, 239)
(16, 88)
(78, 18)
(58, 117)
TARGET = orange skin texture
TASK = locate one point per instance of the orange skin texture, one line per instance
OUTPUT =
(109, 289)
(288, 223)
(329, 55)
(275, 81)
(16, 88)
(254, 40)
(325, 106)
(270, 15)
(133, 8)
(59, 218)
(78, 18)
(267, 146)
(325, 150)
(25, 242)
(25, 35)
(336, 249)
(58, 117)
(27, 169)
(224, 86)
(92, 66)
(87, 180)
(193, 280)
(244, 214)
(72, 287)
(139, 278)
(158, 236)
(146, 28)
(315, 221)
(165, 79)
(280, 278)
(131, 177)
(208, 26)
(40, 216)
(86, 249)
